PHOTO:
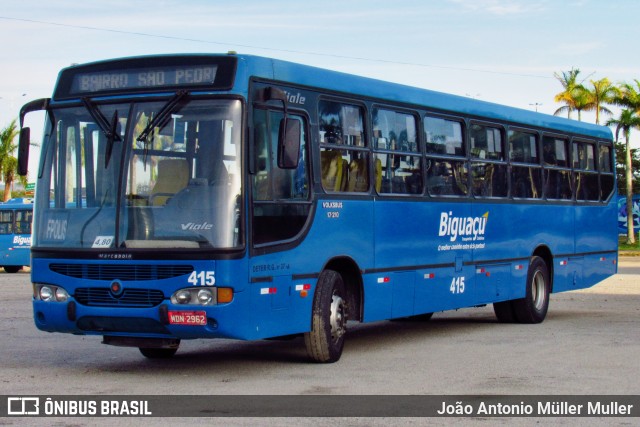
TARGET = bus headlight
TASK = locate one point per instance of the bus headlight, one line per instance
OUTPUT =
(46, 293)
(183, 296)
(194, 296)
(205, 297)
(202, 296)
(50, 293)
(61, 295)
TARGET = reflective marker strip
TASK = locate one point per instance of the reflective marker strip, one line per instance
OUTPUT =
(268, 291)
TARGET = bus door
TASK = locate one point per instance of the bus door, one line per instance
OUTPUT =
(280, 207)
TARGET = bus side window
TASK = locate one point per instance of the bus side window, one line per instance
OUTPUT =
(397, 156)
(585, 174)
(344, 158)
(606, 172)
(446, 167)
(488, 169)
(6, 222)
(557, 175)
(526, 173)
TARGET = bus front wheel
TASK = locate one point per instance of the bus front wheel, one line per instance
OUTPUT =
(533, 307)
(12, 268)
(325, 341)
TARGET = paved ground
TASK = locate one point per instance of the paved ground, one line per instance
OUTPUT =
(587, 345)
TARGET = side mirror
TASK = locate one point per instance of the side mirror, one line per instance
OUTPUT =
(23, 151)
(289, 143)
(25, 133)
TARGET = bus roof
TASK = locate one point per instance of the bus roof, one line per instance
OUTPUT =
(378, 89)
(338, 82)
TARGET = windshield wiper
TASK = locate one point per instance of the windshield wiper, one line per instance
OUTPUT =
(163, 116)
(110, 129)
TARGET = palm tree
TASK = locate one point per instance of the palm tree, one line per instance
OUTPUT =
(572, 91)
(603, 93)
(8, 163)
(629, 96)
(628, 119)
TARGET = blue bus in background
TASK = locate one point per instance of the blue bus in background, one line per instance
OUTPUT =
(233, 196)
(15, 234)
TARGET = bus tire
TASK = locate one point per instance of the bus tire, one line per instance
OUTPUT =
(533, 307)
(504, 311)
(12, 268)
(325, 341)
(158, 353)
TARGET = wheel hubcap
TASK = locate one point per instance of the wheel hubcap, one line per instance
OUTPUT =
(538, 290)
(338, 318)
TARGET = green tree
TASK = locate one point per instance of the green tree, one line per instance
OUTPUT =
(620, 151)
(573, 92)
(8, 162)
(629, 96)
(603, 92)
(627, 120)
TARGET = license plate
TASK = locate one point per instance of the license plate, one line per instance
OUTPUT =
(198, 318)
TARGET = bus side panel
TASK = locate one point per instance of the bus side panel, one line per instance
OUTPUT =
(596, 231)
(416, 239)
(283, 286)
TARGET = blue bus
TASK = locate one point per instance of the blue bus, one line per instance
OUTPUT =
(15, 234)
(232, 196)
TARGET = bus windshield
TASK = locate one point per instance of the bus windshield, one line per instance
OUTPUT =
(154, 174)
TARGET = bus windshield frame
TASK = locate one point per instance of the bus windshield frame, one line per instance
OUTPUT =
(176, 187)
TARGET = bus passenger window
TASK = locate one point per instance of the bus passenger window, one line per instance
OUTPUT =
(447, 177)
(344, 159)
(526, 173)
(444, 137)
(446, 167)
(488, 170)
(489, 179)
(585, 175)
(397, 157)
(606, 172)
(526, 182)
(554, 151)
(6, 222)
(486, 142)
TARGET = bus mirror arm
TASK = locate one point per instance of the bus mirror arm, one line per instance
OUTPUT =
(25, 133)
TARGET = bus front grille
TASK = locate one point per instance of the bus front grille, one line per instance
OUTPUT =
(126, 272)
(102, 297)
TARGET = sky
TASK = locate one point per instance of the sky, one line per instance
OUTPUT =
(503, 51)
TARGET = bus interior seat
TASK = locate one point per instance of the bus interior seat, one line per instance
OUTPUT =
(173, 176)
(378, 172)
(333, 170)
(358, 176)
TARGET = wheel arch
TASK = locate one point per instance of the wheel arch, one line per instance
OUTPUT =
(544, 252)
(353, 283)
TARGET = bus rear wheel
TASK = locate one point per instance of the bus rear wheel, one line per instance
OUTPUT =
(533, 307)
(325, 341)
(12, 268)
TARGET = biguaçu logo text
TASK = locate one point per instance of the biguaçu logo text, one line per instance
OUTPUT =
(468, 228)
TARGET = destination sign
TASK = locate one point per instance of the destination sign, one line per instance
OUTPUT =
(143, 78)
(143, 74)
